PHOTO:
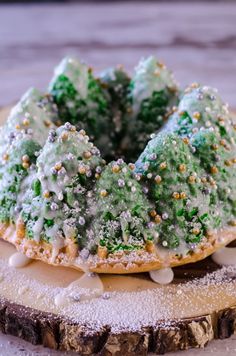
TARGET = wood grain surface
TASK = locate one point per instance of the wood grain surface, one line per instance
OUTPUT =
(197, 40)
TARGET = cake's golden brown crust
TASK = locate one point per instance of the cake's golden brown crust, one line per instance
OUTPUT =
(119, 263)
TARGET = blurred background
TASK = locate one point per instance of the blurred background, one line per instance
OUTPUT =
(196, 39)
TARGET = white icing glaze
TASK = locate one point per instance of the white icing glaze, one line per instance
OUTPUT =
(18, 260)
(226, 256)
(87, 287)
(57, 244)
(162, 276)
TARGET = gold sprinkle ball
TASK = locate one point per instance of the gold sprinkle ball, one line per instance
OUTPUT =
(103, 193)
(182, 168)
(176, 195)
(46, 194)
(191, 179)
(82, 170)
(5, 157)
(58, 166)
(25, 165)
(64, 136)
(87, 154)
(163, 165)
(115, 168)
(157, 219)
(158, 179)
(196, 115)
(182, 195)
(214, 170)
(153, 213)
(26, 122)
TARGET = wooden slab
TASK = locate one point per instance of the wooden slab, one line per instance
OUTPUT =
(177, 316)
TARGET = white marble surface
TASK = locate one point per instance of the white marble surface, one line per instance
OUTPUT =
(10, 345)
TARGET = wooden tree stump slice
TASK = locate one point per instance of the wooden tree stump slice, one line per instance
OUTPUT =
(134, 316)
(190, 312)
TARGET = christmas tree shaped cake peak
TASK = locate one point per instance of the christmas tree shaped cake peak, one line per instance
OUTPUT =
(34, 114)
(180, 191)
(218, 158)
(122, 221)
(81, 100)
(55, 211)
(153, 93)
(17, 166)
(202, 106)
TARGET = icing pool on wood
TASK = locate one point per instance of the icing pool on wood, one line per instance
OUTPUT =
(226, 256)
(162, 276)
(87, 287)
(18, 260)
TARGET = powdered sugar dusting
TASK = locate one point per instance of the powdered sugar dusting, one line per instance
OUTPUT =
(124, 309)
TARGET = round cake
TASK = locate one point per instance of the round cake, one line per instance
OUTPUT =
(116, 173)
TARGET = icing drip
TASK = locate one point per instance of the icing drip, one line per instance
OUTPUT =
(225, 256)
(162, 276)
(57, 244)
(87, 287)
(18, 260)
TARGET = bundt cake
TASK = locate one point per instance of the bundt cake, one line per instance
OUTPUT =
(69, 194)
